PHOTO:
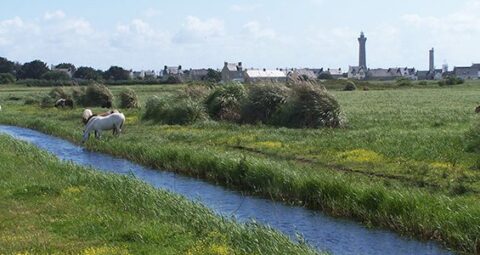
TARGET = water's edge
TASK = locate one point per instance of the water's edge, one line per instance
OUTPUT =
(323, 232)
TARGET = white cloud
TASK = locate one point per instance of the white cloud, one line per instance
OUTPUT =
(196, 30)
(257, 31)
(151, 12)
(58, 14)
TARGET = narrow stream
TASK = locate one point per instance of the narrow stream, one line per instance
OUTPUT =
(323, 232)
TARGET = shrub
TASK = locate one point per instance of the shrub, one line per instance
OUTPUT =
(7, 78)
(225, 102)
(47, 101)
(423, 83)
(98, 95)
(172, 79)
(403, 82)
(451, 80)
(263, 101)
(128, 99)
(472, 138)
(55, 76)
(196, 92)
(58, 92)
(350, 86)
(173, 111)
(309, 107)
(31, 100)
(79, 95)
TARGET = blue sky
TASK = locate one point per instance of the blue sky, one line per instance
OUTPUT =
(147, 34)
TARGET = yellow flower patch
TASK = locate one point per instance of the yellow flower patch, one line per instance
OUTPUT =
(268, 144)
(441, 165)
(361, 156)
(105, 250)
(72, 190)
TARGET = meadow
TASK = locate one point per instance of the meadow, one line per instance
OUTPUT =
(400, 163)
(53, 207)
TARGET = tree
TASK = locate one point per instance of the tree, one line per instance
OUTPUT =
(116, 73)
(87, 73)
(213, 76)
(33, 70)
(69, 66)
(56, 76)
(7, 78)
(6, 66)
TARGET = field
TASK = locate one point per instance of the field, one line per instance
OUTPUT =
(50, 207)
(399, 164)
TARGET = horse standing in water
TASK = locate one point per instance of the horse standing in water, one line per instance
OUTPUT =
(113, 122)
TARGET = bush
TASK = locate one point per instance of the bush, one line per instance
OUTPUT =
(451, 80)
(472, 138)
(423, 83)
(403, 82)
(174, 111)
(225, 102)
(172, 79)
(98, 95)
(58, 92)
(350, 86)
(196, 92)
(128, 99)
(309, 107)
(47, 101)
(79, 95)
(55, 76)
(263, 101)
(7, 78)
(32, 100)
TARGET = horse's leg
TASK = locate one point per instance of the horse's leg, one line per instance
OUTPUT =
(99, 134)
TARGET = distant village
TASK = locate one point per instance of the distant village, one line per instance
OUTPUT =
(236, 72)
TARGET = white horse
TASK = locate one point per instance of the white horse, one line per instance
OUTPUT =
(113, 122)
(87, 113)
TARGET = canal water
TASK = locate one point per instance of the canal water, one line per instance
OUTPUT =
(333, 235)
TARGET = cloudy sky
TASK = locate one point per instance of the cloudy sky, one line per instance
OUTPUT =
(148, 34)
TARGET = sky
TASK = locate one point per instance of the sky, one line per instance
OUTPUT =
(148, 34)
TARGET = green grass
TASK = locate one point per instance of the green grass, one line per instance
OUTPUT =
(400, 163)
(51, 207)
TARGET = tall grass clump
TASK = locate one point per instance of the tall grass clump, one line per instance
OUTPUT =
(263, 100)
(472, 138)
(98, 95)
(350, 86)
(310, 107)
(174, 111)
(225, 102)
(128, 99)
(59, 92)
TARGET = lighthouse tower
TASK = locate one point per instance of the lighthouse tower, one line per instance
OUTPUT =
(363, 54)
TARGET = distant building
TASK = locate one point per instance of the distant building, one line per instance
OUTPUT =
(232, 72)
(68, 71)
(195, 74)
(172, 71)
(137, 75)
(357, 73)
(335, 72)
(391, 73)
(467, 72)
(432, 73)
(150, 74)
(304, 72)
(270, 76)
(362, 40)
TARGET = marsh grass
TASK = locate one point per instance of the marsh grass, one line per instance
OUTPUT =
(400, 163)
(47, 206)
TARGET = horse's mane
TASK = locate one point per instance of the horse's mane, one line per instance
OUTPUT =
(89, 118)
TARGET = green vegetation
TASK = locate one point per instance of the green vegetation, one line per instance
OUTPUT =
(128, 99)
(7, 78)
(400, 163)
(51, 207)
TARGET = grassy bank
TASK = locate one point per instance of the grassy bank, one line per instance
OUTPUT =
(399, 164)
(50, 207)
